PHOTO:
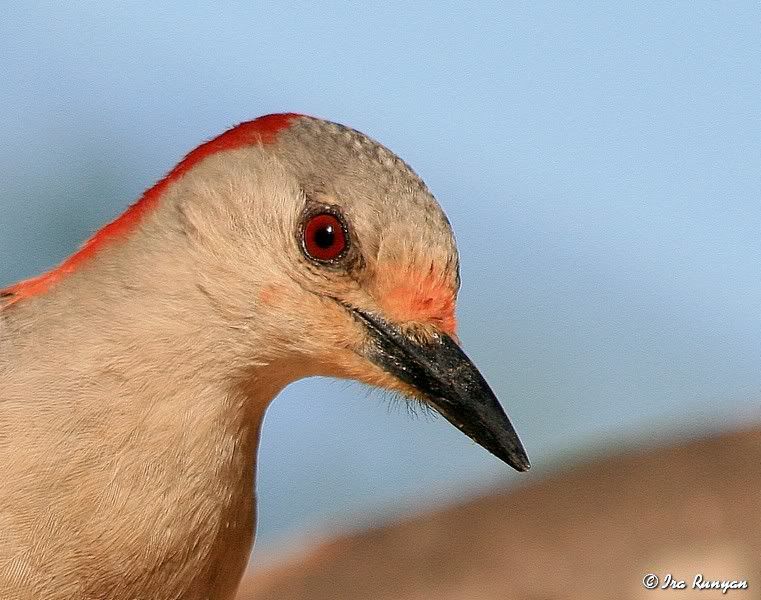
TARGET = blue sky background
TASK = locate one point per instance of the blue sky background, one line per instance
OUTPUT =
(599, 163)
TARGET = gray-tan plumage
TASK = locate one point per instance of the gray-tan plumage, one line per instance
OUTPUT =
(135, 376)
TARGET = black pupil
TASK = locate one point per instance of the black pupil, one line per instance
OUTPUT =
(325, 236)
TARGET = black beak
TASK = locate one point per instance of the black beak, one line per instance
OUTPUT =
(446, 377)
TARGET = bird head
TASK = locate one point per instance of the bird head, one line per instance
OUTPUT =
(325, 254)
(355, 266)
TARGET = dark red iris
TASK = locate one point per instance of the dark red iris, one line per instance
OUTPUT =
(324, 237)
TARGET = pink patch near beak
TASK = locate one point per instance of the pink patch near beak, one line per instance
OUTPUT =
(420, 297)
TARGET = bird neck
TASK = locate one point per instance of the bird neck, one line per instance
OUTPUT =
(156, 411)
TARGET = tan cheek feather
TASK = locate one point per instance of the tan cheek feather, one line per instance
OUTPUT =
(272, 294)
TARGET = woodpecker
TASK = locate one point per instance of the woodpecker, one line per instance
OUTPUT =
(134, 377)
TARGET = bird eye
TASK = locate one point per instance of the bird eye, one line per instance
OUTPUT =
(324, 237)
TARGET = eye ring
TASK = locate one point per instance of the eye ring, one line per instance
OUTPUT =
(324, 236)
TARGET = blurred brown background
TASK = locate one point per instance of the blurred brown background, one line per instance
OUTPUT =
(588, 532)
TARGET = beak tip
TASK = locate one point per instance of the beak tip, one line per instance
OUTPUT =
(515, 457)
(521, 465)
